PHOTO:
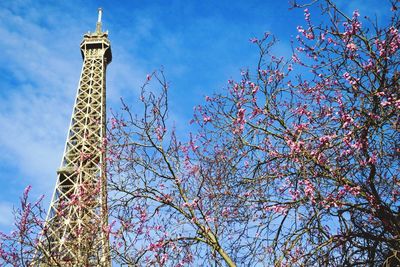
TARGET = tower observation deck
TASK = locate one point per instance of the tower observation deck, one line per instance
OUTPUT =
(75, 231)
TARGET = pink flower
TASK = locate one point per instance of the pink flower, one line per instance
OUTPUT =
(27, 190)
(347, 120)
(385, 103)
(206, 118)
(210, 219)
(278, 209)
(239, 121)
(156, 246)
(307, 15)
(369, 66)
(256, 111)
(372, 159)
(310, 35)
(354, 190)
(352, 47)
(356, 26)
(295, 146)
(295, 58)
(350, 79)
(240, 115)
(254, 40)
(300, 29)
(255, 89)
(295, 194)
(114, 123)
(160, 131)
(309, 188)
(326, 139)
(193, 145)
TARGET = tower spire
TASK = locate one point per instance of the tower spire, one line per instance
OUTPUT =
(98, 24)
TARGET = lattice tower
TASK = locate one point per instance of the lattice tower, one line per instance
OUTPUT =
(76, 227)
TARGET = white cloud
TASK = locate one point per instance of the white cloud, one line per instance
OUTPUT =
(6, 214)
(35, 108)
(41, 56)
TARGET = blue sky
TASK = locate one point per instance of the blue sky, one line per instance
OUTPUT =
(200, 44)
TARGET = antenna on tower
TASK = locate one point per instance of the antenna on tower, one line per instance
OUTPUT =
(98, 25)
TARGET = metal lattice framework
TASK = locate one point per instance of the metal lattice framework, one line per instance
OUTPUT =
(75, 232)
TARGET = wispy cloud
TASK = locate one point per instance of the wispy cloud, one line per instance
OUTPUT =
(6, 214)
(42, 62)
(36, 100)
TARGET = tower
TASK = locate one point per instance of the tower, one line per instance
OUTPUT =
(75, 232)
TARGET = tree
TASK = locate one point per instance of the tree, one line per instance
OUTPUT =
(18, 247)
(295, 165)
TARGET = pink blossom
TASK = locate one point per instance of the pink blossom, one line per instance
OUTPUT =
(278, 209)
(239, 121)
(206, 118)
(310, 35)
(307, 15)
(350, 79)
(302, 110)
(326, 139)
(194, 169)
(160, 131)
(347, 120)
(156, 246)
(295, 194)
(385, 103)
(356, 26)
(254, 40)
(114, 123)
(300, 29)
(295, 146)
(372, 159)
(27, 190)
(381, 46)
(309, 189)
(210, 219)
(394, 44)
(295, 58)
(240, 115)
(255, 89)
(300, 127)
(352, 47)
(359, 144)
(192, 145)
(225, 212)
(256, 111)
(164, 258)
(369, 66)
(354, 190)
(395, 194)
